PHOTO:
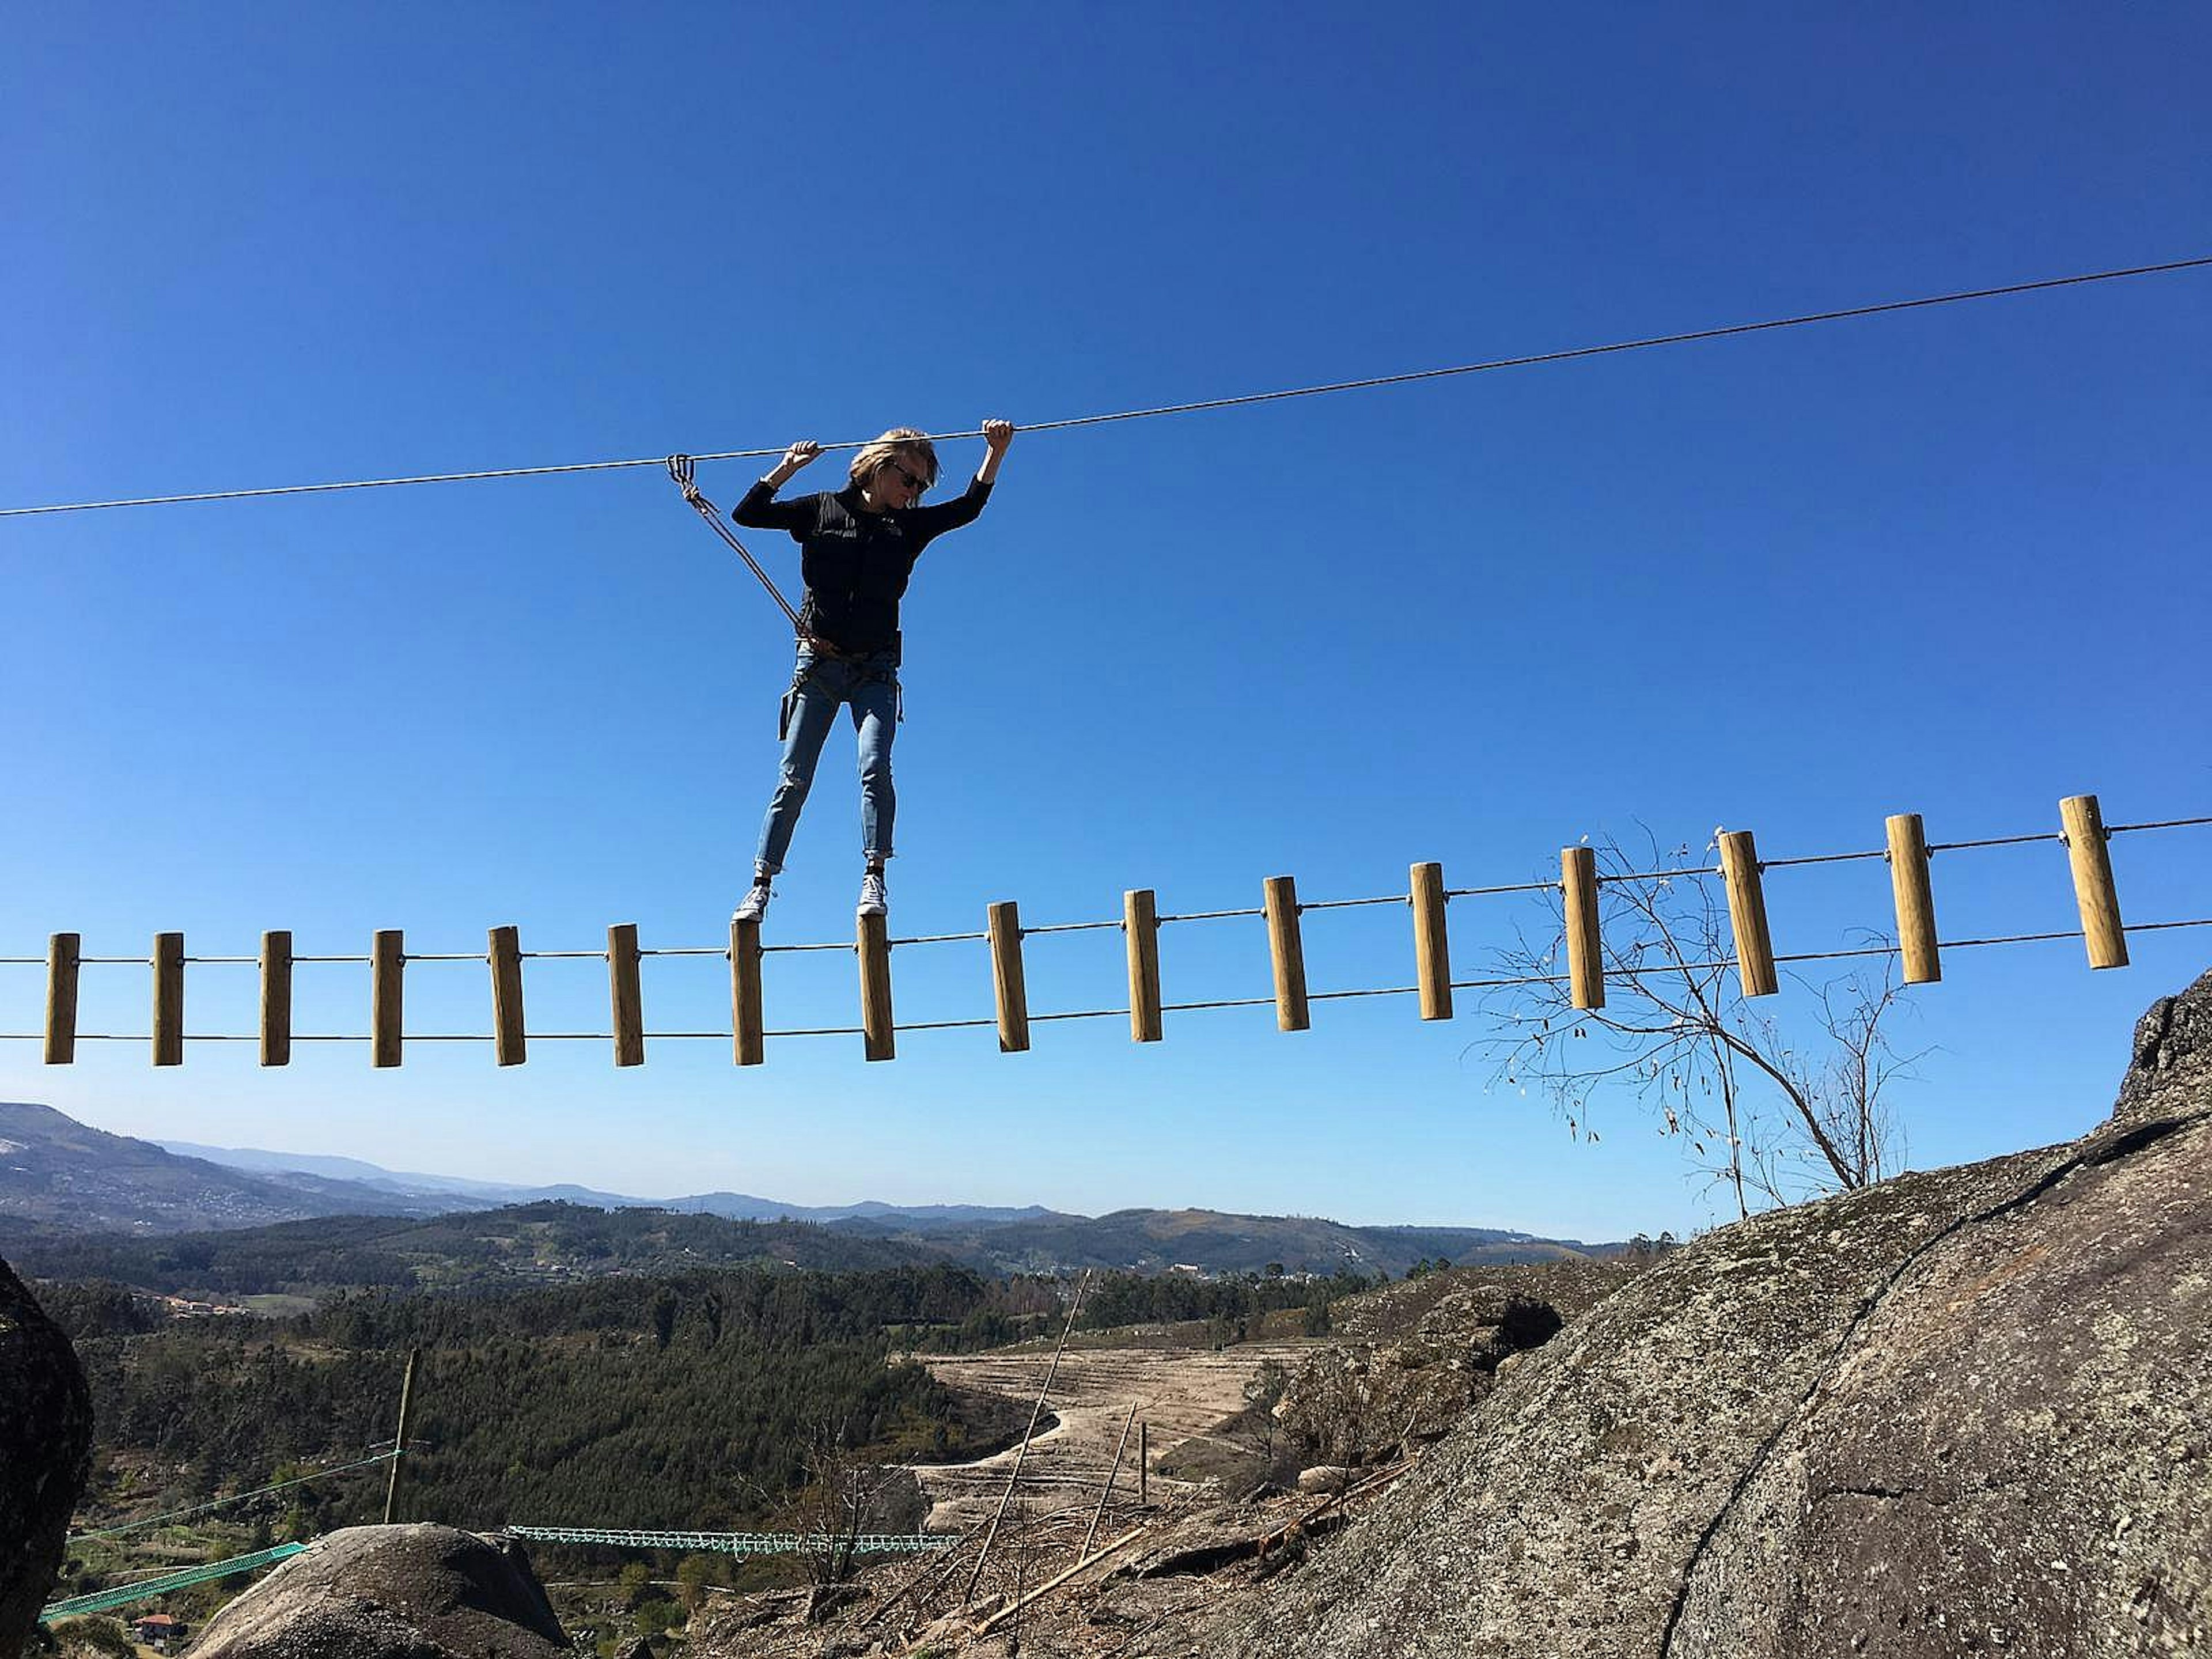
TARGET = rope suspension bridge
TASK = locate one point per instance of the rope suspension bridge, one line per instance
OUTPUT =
(714, 1543)
(158, 1585)
(1139, 922)
(707, 1543)
(2082, 833)
(146, 1589)
(742, 1543)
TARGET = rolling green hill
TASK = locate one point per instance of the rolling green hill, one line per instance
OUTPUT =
(526, 1243)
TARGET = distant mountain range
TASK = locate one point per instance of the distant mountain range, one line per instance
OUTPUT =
(60, 1177)
(56, 1171)
(438, 1191)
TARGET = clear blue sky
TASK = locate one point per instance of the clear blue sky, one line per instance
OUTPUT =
(1950, 562)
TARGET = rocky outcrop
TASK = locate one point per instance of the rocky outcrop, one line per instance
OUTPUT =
(405, 1592)
(1364, 1402)
(45, 1450)
(1964, 1411)
(1399, 1310)
(2173, 1058)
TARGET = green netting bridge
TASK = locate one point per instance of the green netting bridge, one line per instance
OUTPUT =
(739, 1543)
(145, 1589)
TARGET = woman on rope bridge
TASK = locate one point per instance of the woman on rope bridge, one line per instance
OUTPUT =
(858, 545)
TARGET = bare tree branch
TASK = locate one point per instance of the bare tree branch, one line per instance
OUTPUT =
(1767, 1119)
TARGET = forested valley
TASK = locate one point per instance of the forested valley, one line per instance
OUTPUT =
(520, 1242)
(681, 1401)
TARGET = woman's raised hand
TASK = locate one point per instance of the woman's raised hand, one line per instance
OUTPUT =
(793, 457)
(997, 434)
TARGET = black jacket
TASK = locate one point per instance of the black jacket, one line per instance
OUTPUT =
(856, 563)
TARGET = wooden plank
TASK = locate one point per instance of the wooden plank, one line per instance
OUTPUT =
(748, 1036)
(628, 996)
(2087, 851)
(1431, 941)
(1747, 901)
(1287, 951)
(64, 953)
(1141, 929)
(1585, 950)
(1915, 898)
(276, 996)
(510, 1044)
(879, 1041)
(1004, 923)
(388, 973)
(168, 999)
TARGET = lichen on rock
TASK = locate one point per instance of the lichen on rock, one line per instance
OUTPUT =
(1962, 1411)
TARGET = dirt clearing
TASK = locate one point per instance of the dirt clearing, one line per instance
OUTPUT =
(1182, 1392)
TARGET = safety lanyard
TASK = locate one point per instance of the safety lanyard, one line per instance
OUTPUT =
(679, 468)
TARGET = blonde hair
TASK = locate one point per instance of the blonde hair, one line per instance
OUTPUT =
(899, 440)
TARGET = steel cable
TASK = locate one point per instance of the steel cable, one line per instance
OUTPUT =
(1072, 423)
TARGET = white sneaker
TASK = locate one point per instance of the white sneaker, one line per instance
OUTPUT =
(874, 902)
(755, 904)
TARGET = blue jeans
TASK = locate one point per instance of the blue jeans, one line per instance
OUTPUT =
(869, 686)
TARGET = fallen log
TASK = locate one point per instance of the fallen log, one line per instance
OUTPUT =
(1206, 1558)
(1359, 1489)
(1013, 1608)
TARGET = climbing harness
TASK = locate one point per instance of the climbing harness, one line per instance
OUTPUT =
(880, 674)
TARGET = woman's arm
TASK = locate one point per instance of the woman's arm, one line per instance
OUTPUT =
(966, 507)
(760, 510)
(997, 434)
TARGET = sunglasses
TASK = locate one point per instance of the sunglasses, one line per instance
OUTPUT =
(918, 485)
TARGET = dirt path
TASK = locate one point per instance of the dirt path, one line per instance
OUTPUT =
(1181, 1393)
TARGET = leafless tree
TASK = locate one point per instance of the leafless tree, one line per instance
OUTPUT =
(845, 1496)
(1772, 1114)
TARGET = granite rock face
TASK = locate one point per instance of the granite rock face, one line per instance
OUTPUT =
(402, 1592)
(46, 1451)
(2173, 1058)
(1367, 1402)
(1968, 1411)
